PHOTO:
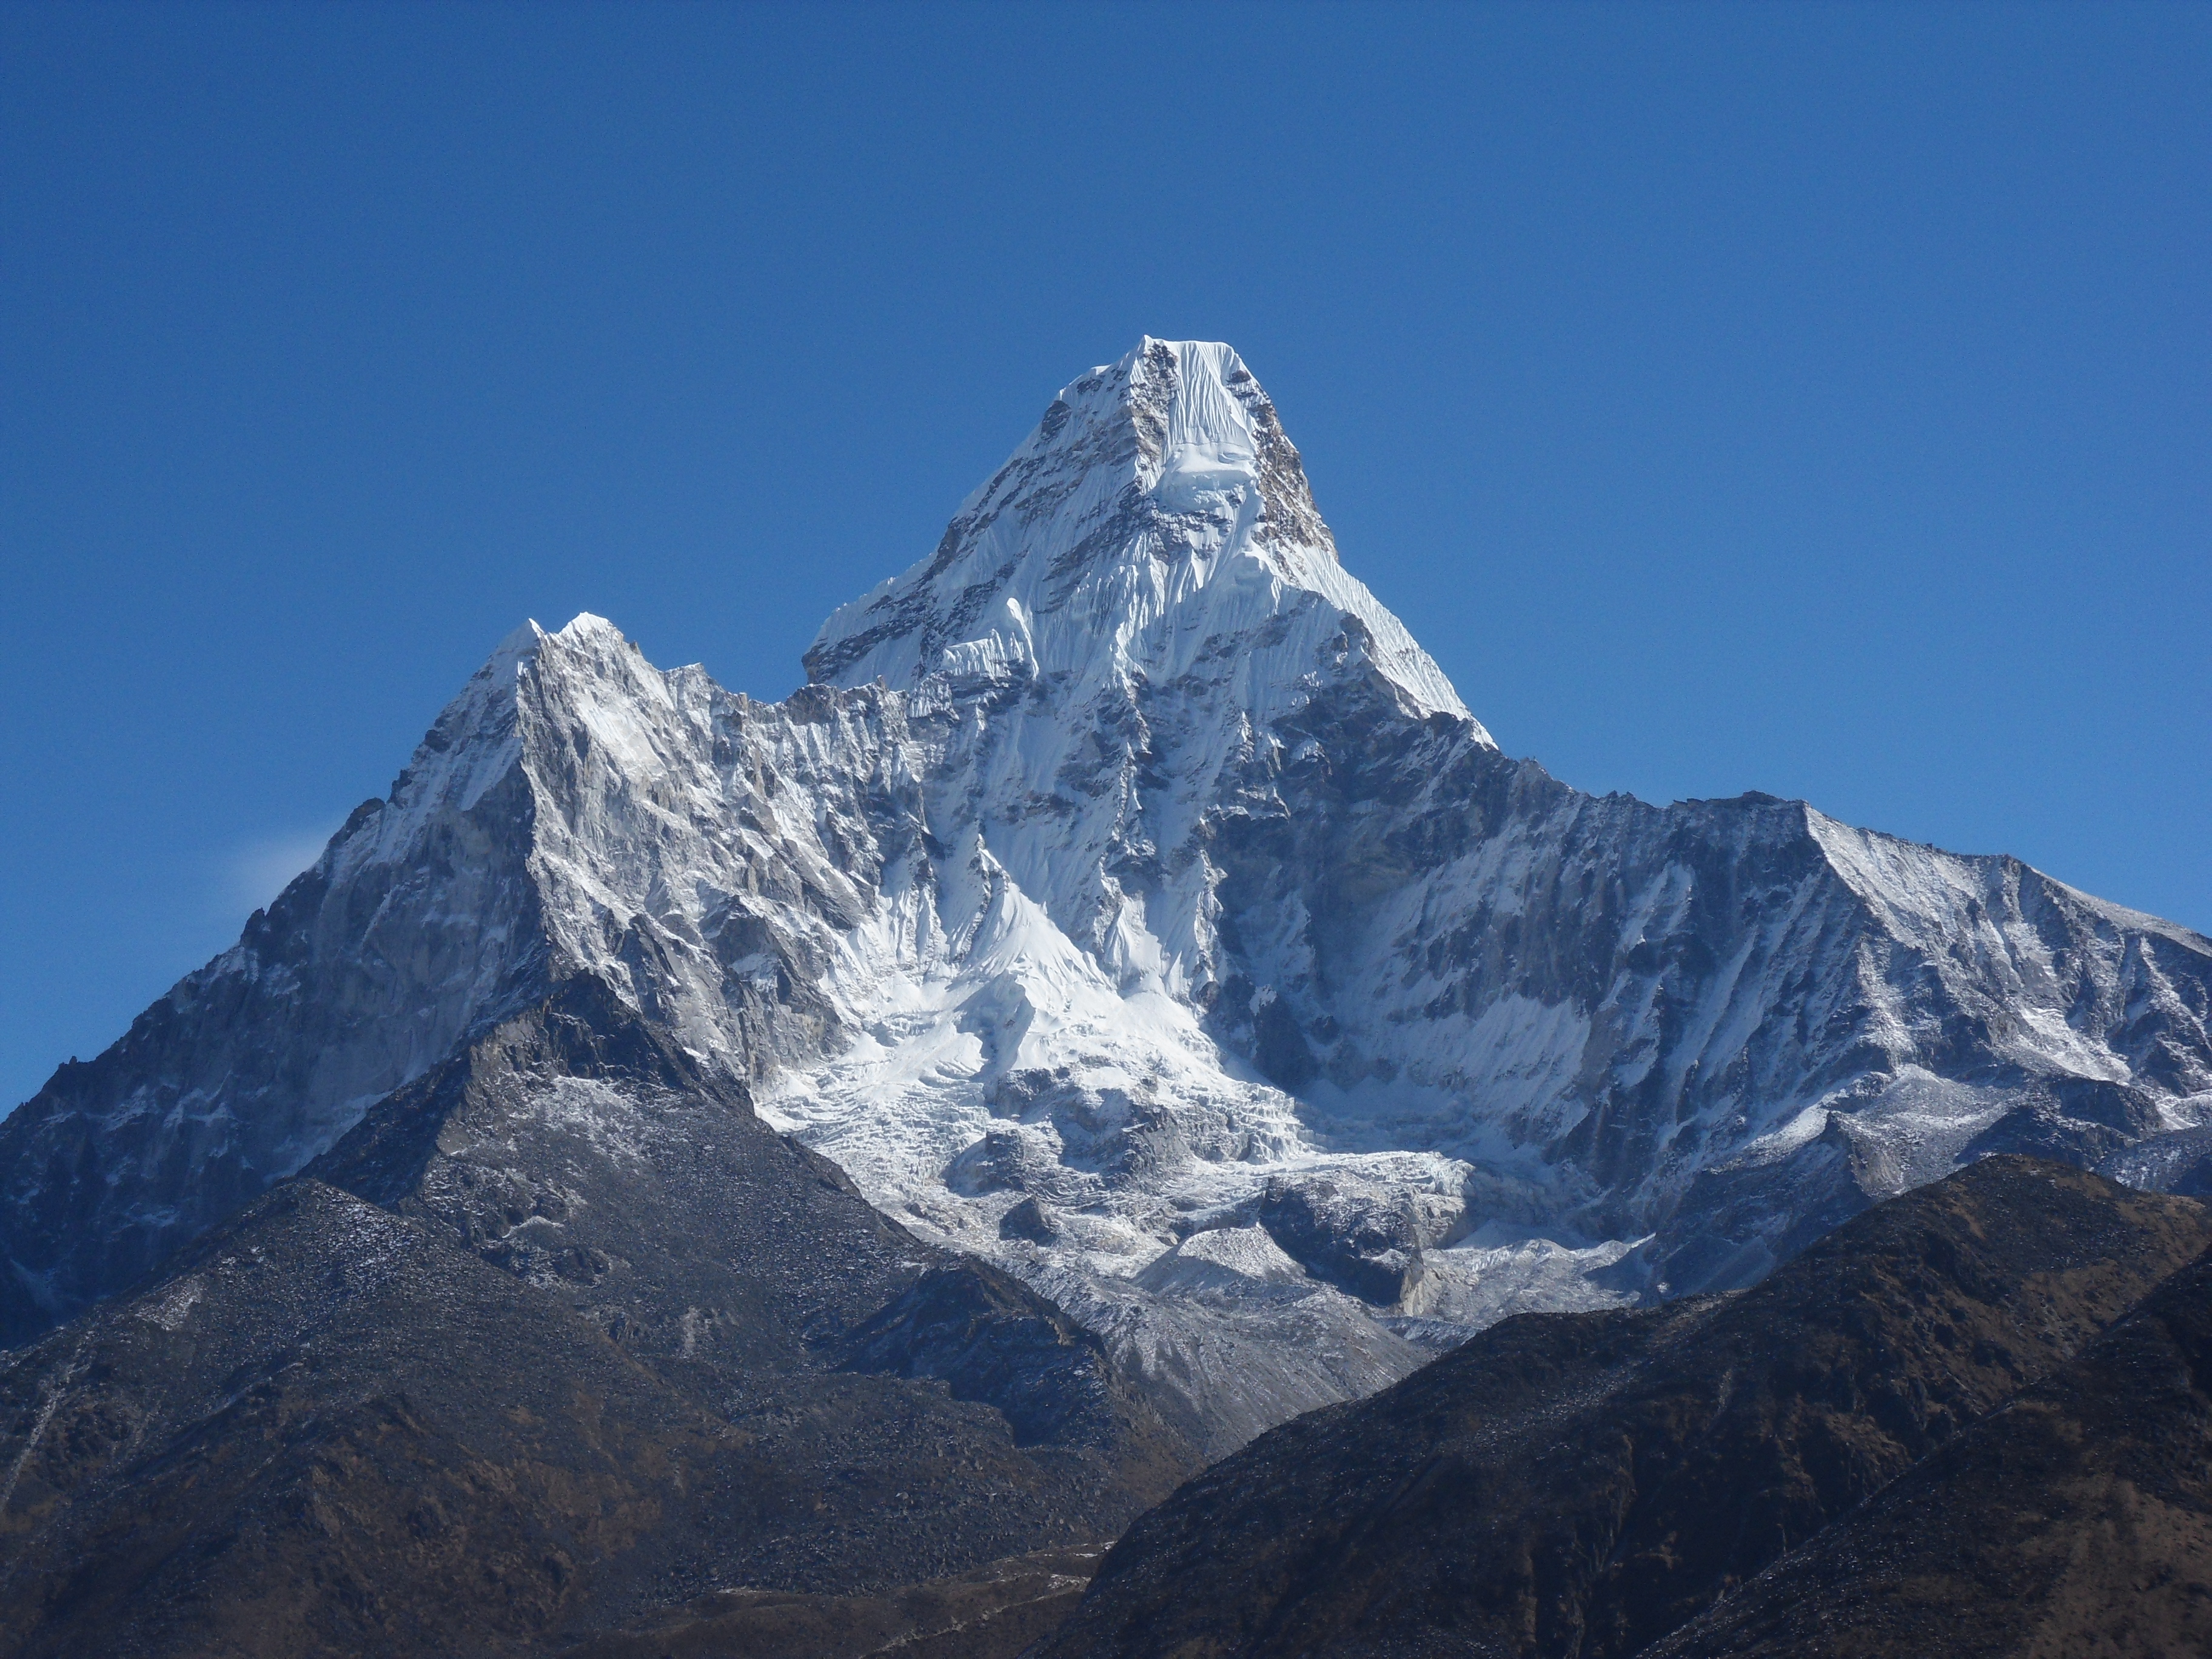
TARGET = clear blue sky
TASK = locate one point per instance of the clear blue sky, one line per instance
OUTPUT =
(1816, 400)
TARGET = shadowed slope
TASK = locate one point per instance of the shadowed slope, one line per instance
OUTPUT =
(1582, 1483)
(602, 1342)
(2075, 1520)
(993, 1613)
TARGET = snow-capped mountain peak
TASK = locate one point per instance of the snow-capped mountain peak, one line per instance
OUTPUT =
(1157, 522)
(1126, 888)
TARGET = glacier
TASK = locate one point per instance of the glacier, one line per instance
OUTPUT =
(1127, 899)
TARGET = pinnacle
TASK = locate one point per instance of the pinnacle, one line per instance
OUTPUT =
(1157, 517)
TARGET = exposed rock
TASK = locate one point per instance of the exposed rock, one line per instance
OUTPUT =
(1584, 1483)
(584, 1338)
(2077, 1519)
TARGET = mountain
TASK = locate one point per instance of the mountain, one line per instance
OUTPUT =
(1586, 1484)
(555, 1335)
(1154, 1006)
(2076, 1520)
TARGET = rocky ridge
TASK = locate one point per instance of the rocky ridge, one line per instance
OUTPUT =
(2077, 1519)
(557, 1336)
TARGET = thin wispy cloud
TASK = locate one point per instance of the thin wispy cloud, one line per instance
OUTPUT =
(255, 871)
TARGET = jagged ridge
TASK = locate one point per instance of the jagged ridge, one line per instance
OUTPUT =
(1126, 876)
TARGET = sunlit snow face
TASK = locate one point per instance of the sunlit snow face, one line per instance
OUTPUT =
(1201, 476)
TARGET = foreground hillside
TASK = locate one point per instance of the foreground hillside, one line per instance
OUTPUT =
(560, 1335)
(1991, 1361)
(2078, 1519)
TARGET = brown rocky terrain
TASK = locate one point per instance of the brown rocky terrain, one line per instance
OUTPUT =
(1586, 1484)
(2075, 1520)
(557, 1339)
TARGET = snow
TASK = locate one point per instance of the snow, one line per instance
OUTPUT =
(983, 841)
(1232, 1258)
(1501, 1270)
(1198, 557)
(976, 913)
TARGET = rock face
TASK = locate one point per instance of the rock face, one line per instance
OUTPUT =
(557, 1336)
(1126, 875)
(421, 922)
(1585, 1484)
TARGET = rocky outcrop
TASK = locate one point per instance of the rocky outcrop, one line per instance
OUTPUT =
(2078, 1519)
(421, 921)
(558, 1336)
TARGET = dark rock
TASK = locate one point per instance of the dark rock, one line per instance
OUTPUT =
(1031, 1221)
(1584, 1483)
(2078, 1519)
(1359, 1236)
(557, 1335)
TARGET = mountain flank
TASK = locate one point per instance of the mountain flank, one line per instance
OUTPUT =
(1585, 1484)
(557, 1336)
(2077, 1519)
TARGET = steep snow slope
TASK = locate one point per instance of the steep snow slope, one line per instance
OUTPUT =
(1127, 893)
(1223, 819)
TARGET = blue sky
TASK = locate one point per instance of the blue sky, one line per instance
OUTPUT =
(1813, 400)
